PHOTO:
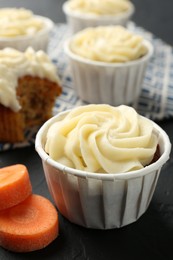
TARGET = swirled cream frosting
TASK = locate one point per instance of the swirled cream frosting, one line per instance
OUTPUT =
(102, 139)
(18, 22)
(108, 44)
(15, 64)
(99, 7)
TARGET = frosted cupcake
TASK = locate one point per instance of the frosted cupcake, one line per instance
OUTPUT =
(29, 86)
(102, 163)
(20, 28)
(108, 64)
(81, 14)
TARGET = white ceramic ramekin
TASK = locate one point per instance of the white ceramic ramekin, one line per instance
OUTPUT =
(101, 201)
(37, 41)
(110, 83)
(78, 22)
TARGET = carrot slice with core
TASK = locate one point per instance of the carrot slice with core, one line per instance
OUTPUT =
(29, 226)
(15, 185)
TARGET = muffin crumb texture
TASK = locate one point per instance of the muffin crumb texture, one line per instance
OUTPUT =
(29, 85)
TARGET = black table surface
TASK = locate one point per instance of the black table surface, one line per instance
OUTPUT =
(151, 237)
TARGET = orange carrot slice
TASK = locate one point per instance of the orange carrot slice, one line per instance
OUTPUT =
(15, 185)
(29, 226)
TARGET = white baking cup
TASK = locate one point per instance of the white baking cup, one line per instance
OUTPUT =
(79, 21)
(101, 201)
(38, 41)
(109, 83)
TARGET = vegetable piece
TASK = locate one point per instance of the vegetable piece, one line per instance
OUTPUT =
(29, 226)
(15, 185)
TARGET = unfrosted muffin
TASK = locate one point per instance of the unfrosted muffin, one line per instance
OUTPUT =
(108, 64)
(29, 85)
(100, 163)
(81, 14)
(21, 28)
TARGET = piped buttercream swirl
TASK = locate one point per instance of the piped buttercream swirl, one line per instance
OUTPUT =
(99, 7)
(102, 139)
(108, 44)
(16, 22)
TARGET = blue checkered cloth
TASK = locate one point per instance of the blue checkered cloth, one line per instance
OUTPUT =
(156, 98)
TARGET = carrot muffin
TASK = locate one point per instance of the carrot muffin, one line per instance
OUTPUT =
(108, 64)
(29, 85)
(98, 163)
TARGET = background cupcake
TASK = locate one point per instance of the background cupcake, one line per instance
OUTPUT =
(20, 28)
(108, 64)
(102, 163)
(89, 13)
(29, 86)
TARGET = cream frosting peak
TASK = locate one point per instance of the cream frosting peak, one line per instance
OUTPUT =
(108, 44)
(101, 138)
(99, 7)
(15, 64)
(18, 22)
